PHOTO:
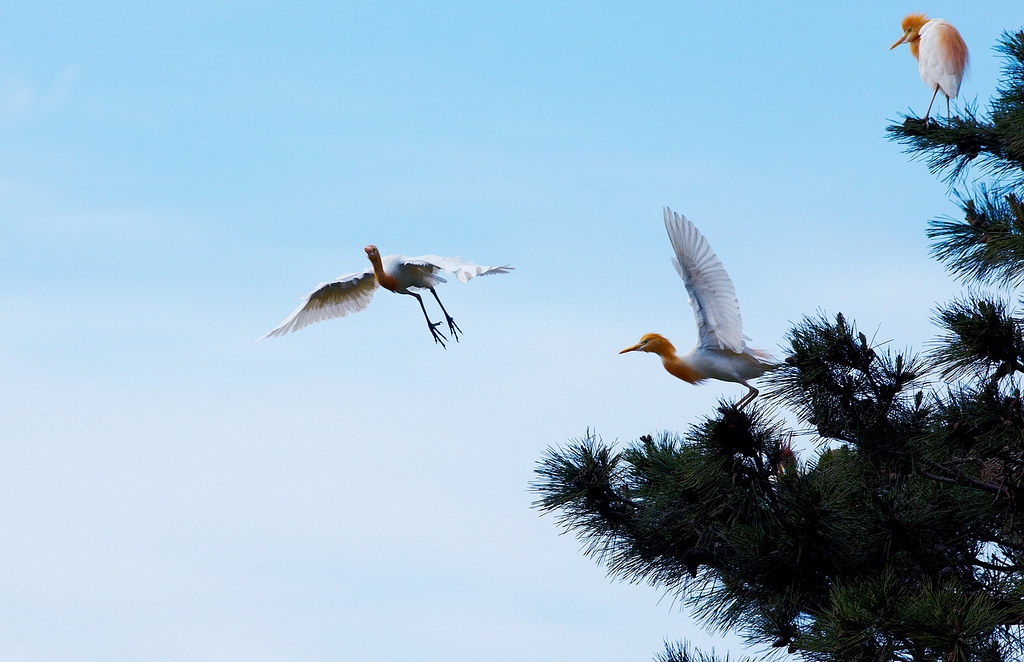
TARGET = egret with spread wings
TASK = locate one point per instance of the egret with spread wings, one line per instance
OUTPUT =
(400, 274)
(721, 352)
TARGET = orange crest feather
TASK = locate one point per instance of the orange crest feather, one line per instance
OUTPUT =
(915, 21)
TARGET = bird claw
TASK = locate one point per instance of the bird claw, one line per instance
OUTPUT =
(439, 337)
(453, 328)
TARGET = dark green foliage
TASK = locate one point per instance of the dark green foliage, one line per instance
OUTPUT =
(988, 245)
(903, 537)
(839, 384)
(884, 619)
(952, 145)
(676, 652)
(979, 336)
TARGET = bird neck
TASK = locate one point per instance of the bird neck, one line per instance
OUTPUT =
(384, 280)
(679, 367)
(914, 23)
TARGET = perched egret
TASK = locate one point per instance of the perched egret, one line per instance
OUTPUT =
(721, 352)
(941, 55)
(400, 274)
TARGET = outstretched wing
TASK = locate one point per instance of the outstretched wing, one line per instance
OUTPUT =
(460, 268)
(712, 294)
(348, 294)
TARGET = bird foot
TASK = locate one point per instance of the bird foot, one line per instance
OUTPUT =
(746, 399)
(439, 337)
(454, 329)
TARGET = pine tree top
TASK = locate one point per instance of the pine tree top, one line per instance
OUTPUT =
(903, 539)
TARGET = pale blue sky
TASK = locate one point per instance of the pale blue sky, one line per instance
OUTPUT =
(174, 177)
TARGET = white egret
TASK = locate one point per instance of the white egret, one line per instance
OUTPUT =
(720, 352)
(940, 52)
(400, 274)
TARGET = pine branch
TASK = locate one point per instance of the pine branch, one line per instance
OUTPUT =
(956, 477)
(682, 652)
(950, 147)
(988, 245)
(837, 382)
(979, 337)
(997, 567)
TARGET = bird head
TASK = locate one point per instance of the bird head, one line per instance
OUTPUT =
(911, 25)
(371, 250)
(651, 342)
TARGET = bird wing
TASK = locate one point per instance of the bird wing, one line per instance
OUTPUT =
(711, 291)
(460, 268)
(942, 56)
(347, 294)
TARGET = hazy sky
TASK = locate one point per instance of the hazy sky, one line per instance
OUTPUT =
(173, 177)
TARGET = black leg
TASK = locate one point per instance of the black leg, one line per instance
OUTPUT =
(929, 111)
(452, 326)
(438, 336)
(747, 398)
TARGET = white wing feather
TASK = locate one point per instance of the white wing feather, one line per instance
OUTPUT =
(711, 291)
(347, 294)
(462, 270)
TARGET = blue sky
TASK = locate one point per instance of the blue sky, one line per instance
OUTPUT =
(173, 177)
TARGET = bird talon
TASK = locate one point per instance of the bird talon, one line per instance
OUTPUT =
(439, 337)
(454, 329)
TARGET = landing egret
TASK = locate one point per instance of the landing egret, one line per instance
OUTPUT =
(400, 274)
(721, 352)
(941, 55)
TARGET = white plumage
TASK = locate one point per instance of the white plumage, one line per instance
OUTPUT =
(338, 298)
(711, 291)
(938, 65)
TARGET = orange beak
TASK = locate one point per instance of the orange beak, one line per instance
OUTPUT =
(631, 349)
(902, 39)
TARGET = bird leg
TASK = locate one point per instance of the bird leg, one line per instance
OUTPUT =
(439, 337)
(748, 397)
(928, 112)
(452, 326)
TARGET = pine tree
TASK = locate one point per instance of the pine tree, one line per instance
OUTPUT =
(903, 539)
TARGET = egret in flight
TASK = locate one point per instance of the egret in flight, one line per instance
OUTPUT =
(941, 55)
(721, 352)
(400, 274)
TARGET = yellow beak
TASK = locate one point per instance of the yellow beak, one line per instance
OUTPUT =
(631, 349)
(902, 39)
